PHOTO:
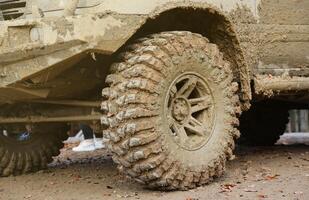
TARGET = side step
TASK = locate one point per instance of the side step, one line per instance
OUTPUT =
(268, 85)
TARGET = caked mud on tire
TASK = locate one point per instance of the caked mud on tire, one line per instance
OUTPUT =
(33, 154)
(171, 109)
(263, 124)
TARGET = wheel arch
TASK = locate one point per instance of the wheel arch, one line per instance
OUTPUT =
(209, 22)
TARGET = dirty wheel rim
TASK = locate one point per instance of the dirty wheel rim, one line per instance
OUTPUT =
(189, 108)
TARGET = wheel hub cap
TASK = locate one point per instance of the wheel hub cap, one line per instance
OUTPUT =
(181, 109)
(189, 109)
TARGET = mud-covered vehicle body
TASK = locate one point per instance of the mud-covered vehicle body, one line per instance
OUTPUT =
(174, 75)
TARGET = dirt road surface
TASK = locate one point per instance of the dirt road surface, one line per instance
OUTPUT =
(279, 172)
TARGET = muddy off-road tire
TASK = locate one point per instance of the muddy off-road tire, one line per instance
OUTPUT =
(171, 109)
(263, 124)
(32, 154)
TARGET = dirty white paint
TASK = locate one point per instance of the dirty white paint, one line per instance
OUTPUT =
(256, 11)
(257, 3)
(147, 7)
(55, 8)
(3, 30)
(85, 28)
(49, 35)
(47, 5)
(98, 27)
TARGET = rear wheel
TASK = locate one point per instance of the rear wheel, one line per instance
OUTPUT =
(171, 111)
(28, 148)
(263, 124)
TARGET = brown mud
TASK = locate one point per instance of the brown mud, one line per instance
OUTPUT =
(256, 173)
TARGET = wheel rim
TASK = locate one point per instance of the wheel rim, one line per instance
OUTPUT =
(189, 108)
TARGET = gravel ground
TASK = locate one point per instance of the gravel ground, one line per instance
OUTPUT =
(279, 172)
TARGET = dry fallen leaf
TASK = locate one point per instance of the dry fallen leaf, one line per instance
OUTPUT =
(298, 192)
(28, 196)
(189, 198)
(109, 187)
(250, 190)
(227, 187)
(271, 177)
(262, 196)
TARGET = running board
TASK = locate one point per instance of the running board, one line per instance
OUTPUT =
(268, 85)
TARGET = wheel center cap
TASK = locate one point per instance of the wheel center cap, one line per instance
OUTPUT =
(180, 109)
(189, 111)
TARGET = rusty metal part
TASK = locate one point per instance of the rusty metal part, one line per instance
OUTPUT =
(38, 111)
(40, 119)
(280, 84)
(95, 104)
